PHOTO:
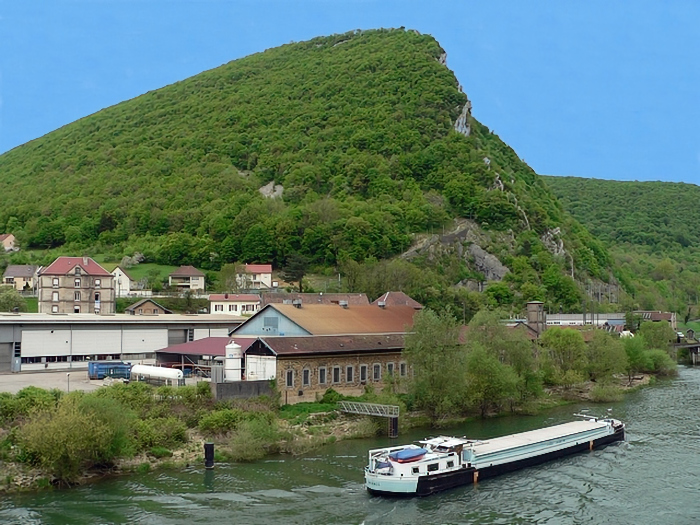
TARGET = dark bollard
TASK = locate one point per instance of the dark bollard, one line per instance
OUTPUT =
(208, 455)
(393, 427)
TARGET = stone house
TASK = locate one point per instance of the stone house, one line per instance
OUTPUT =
(307, 366)
(76, 285)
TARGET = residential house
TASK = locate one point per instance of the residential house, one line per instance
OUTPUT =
(146, 307)
(234, 303)
(22, 277)
(76, 285)
(123, 283)
(7, 241)
(255, 277)
(349, 299)
(187, 278)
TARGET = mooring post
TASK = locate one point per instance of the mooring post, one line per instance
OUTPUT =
(208, 455)
(393, 427)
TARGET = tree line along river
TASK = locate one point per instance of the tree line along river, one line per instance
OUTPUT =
(652, 478)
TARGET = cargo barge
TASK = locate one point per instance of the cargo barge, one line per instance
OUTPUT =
(443, 462)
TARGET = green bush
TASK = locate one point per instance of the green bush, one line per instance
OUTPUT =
(160, 432)
(254, 440)
(220, 421)
(661, 363)
(606, 393)
(160, 452)
(82, 432)
(330, 396)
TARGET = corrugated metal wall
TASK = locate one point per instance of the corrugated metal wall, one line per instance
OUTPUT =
(89, 341)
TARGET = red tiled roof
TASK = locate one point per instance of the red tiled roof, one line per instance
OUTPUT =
(187, 271)
(321, 319)
(314, 298)
(66, 265)
(397, 298)
(258, 268)
(214, 346)
(234, 297)
(334, 344)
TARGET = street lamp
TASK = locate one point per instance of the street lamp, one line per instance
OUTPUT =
(68, 380)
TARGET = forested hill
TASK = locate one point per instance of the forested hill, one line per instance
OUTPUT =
(652, 228)
(664, 215)
(359, 129)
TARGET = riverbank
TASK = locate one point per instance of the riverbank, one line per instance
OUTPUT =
(298, 436)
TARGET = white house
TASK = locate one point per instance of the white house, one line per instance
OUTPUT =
(123, 283)
(234, 303)
(255, 277)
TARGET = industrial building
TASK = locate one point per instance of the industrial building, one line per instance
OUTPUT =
(57, 342)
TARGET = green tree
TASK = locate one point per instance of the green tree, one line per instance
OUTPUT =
(295, 269)
(606, 356)
(490, 382)
(657, 335)
(637, 358)
(565, 348)
(438, 361)
(11, 299)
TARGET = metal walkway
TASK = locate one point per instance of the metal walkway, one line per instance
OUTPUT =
(369, 409)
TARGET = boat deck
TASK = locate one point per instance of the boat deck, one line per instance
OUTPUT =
(536, 436)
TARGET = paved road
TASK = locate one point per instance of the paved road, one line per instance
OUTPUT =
(78, 380)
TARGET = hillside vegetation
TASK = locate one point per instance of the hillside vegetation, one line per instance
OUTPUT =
(359, 129)
(651, 228)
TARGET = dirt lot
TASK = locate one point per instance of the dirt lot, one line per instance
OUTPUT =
(77, 380)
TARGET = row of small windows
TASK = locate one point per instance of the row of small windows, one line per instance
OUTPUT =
(55, 282)
(336, 378)
(234, 308)
(76, 296)
(82, 358)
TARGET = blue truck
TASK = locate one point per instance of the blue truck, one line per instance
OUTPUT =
(102, 369)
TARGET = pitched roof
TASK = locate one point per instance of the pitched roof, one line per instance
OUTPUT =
(258, 268)
(214, 346)
(234, 297)
(4, 236)
(66, 265)
(187, 271)
(321, 319)
(123, 271)
(314, 298)
(143, 301)
(333, 344)
(20, 270)
(397, 298)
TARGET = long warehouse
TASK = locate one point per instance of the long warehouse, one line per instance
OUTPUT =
(67, 341)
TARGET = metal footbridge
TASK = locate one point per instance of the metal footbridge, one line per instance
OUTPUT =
(373, 409)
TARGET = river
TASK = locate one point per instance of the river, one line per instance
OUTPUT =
(652, 478)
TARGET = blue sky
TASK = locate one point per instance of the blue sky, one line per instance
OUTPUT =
(593, 89)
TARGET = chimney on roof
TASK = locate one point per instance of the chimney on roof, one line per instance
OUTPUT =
(344, 304)
(85, 261)
(381, 304)
(225, 296)
(296, 303)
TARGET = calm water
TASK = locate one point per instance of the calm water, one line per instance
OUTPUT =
(653, 478)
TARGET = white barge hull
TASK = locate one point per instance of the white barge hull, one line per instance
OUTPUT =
(451, 462)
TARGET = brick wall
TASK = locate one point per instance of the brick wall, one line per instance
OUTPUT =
(299, 392)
